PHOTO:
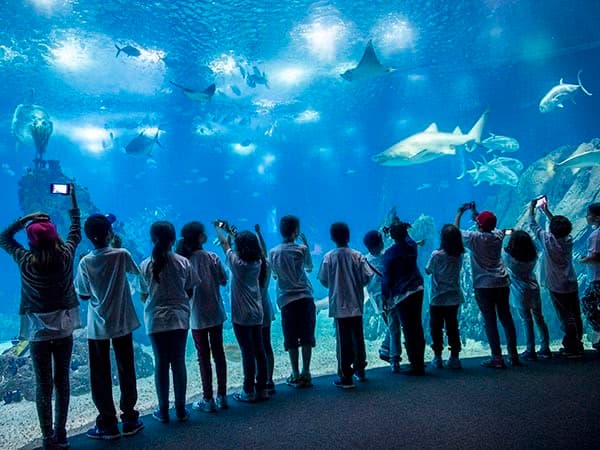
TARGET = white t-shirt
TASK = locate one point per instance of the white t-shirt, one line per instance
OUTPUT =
(246, 301)
(289, 262)
(487, 268)
(445, 279)
(102, 276)
(168, 305)
(207, 305)
(345, 272)
(557, 260)
(594, 247)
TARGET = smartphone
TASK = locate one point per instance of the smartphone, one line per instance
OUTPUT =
(220, 223)
(60, 188)
(508, 231)
(541, 201)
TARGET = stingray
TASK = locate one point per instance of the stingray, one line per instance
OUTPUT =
(369, 66)
(197, 96)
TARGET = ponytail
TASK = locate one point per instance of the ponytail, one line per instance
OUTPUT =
(163, 236)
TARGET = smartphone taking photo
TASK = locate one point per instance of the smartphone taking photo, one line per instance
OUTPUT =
(508, 231)
(60, 188)
(542, 200)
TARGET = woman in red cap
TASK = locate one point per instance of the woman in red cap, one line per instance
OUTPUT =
(49, 311)
(491, 283)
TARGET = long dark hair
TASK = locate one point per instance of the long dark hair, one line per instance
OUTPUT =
(163, 235)
(48, 256)
(521, 247)
(451, 240)
(247, 246)
(190, 239)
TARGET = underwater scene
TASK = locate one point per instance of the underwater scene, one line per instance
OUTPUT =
(246, 111)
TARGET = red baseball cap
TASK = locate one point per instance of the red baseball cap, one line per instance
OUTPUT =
(487, 220)
(39, 232)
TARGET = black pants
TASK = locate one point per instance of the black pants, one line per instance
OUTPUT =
(169, 352)
(448, 315)
(569, 313)
(254, 359)
(51, 362)
(351, 353)
(494, 305)
(266, 337)
(207, 341)
(101, 380)
(410, 312)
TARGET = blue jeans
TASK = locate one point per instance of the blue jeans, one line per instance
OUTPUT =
(169, 352)
(391, 346)
(494, 304)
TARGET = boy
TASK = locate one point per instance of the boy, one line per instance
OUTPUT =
(290, 262)
(102, 280)
(391, 347)
(346, 272)
(591, 297)
(560, 277)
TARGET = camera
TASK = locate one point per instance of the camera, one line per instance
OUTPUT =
(60, 188)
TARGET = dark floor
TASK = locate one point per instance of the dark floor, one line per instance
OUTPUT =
(551, 404)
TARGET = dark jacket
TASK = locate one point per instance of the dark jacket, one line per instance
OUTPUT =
(400, 271)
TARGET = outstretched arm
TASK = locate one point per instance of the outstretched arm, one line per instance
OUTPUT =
(261, 241)
(223, 241)
(461, 210)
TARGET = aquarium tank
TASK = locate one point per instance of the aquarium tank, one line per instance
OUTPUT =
(331, 110)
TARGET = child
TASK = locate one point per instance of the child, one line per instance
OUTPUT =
(207, 315)
(102, 279)
(591, 297)
(560, 277)
(402, 293)
(290, 263)
(167, 281)
(346, 272)
(247, 310)
(491, 283)
(268, 312)
(446, 295)
(520, 257)
(391, 347)
(49, 311)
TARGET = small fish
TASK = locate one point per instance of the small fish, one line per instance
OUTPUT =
(560, 93)
(128, 50)
(257, 77)
(236, 90)
(142, 144)
(197, 96)
(424, 186)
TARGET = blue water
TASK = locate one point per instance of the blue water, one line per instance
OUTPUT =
(455, 59)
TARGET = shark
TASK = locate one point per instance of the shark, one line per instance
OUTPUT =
(369, 66)
(429, 145)
(560, 93)
(585, 159)
(197, 96)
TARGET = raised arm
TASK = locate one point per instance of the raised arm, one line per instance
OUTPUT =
(74, 236)
(223, 241)
(261, 241)
(461, 210)
(7, 237)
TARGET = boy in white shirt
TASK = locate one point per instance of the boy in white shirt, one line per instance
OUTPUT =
(102, 279)
(591, 298)
(346, 272)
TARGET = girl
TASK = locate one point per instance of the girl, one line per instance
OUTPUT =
(446, 295)
(49, 311)
(166, 285)
(208, 315)
(247, 310)
(520, 256)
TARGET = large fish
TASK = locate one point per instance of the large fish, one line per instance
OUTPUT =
(429, 145)
(197, 96)
(369, 66)
(560, 93)
(128, 50)
(142, 144)
(585, 159)
(503, 144)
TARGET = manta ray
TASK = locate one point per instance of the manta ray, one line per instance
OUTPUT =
(369, 66)
(197, 96)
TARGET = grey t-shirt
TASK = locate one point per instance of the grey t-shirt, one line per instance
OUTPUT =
(445, 279)
(168, 305)
(102, 276)
(487, 267)
(207, 305)
(246, 302)
(523, 284)
(290, 262)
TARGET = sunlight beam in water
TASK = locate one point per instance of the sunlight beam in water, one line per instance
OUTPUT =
(394, 34)
(322, 39)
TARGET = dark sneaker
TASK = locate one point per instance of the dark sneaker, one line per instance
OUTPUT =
(396, 367)
(183, 414)
(496, 362)
(437, 362)
(206, 405)
(529, 356)
(516, 362)
(305, 380)
(222, 402)
(344, 383)
(60, 437)
(246, 397)
(49, 443)
(131, 428)
(544, 354)
(570, 354)
(453, 363)
(360, 375)
(271, 388)
(293, 380)
(160, 416)
(106, 434)
(262, 395)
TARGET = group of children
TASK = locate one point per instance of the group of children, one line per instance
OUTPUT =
(181, 289)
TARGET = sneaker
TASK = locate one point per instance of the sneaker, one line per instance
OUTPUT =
(384, 356)
(359, 375)
(183, 414)
(453, 363)
(222, 402)
(516, 362)
(262, 395)
(293, 380)
(305, 380)
(242, 396)
(396, 367)
(544, 354)
(60, 439)
(496, 362)
(49, 443)
(571, 354)
(160, 416)
(131, 428)
(206, 405)
(109, 433)
(437, 362)
(271, 388)
(344, 383)
(529, 356)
